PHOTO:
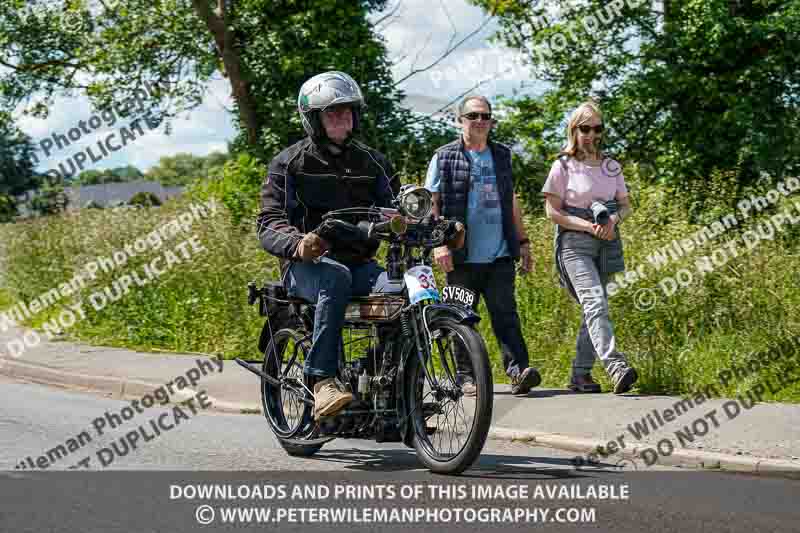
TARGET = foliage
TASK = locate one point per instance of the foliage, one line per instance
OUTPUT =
(277, 53)
(118, 46)
(526, 126)
(8, 209)
(16, 163)
(275, 46)
(198, 305)
(113, 175)
(95, 177)
(145, 199)
(50, 200)
(238, 186)
(183, 168)
(6, 300)
(708, 87)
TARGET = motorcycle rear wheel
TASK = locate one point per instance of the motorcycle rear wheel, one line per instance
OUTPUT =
(290, 418)
(447, 439)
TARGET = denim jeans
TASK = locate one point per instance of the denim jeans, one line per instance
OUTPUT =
(579, 256)
(495, 282)
(328, 284)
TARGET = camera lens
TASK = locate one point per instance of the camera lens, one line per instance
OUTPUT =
(600, 213)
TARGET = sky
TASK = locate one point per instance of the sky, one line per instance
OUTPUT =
(416, 35)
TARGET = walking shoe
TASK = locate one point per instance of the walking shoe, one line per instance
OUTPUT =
(583, 383)
(469, 388)
(467, 384)
(623, 379)
(523, 382)
(329, 399)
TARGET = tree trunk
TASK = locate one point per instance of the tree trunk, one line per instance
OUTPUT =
(216, 23)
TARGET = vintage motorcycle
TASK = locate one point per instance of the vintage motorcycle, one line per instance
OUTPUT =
(398, 350)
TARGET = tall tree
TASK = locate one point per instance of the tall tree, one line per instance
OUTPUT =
(16, 165)
(693, 86)
(127, 173)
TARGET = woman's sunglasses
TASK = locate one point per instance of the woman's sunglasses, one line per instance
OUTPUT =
(586, 129)
(476, 116)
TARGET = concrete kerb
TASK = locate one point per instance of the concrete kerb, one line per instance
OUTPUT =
(118, 388)
(681, 458)
(54, 376)
(125, 389)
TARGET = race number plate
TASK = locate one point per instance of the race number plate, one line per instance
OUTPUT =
(458, 295)
(420, 284)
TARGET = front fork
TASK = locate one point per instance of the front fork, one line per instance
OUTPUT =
(415, 326)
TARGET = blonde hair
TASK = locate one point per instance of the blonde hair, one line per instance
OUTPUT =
(582, 114)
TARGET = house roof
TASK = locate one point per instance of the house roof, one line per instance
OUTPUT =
(109, 193)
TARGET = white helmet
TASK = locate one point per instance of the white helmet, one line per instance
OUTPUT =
(323, 90)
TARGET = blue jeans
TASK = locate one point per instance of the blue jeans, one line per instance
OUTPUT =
(328, 284)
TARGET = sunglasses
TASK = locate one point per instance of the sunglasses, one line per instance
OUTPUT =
(586, 129)
(476, 116)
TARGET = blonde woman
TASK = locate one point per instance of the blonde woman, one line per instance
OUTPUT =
(586, 198)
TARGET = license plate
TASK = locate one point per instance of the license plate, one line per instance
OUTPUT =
(458, 295)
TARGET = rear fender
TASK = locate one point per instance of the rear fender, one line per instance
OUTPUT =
(278, 319)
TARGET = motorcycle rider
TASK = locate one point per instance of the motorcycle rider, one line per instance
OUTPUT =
(325, 171)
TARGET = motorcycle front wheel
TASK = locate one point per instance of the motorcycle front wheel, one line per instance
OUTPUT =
(289, 416)
(450, 427)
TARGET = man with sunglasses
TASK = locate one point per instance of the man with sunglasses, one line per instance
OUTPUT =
(471, 182)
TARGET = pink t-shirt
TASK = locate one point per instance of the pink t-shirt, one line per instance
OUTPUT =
(584, 184)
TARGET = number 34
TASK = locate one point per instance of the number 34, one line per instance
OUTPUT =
(423, 281)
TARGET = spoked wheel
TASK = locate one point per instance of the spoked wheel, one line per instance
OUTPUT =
(286, 407)
(449, 427)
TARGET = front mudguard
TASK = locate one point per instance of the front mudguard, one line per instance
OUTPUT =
(463, 315)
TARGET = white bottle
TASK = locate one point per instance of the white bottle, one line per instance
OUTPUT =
(363, 382)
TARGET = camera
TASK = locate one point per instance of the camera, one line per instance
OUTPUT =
(600, 213)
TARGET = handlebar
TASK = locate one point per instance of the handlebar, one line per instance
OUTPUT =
(426, 233)
(379, 227)
(396, 225)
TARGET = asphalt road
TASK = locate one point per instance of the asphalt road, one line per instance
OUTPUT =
(211, 447)
(35, 418)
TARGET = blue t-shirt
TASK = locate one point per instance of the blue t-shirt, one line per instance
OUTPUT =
(485, 239)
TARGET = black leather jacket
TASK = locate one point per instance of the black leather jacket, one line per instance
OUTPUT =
(305, 181)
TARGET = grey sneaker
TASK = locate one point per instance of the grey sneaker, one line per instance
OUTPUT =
(583, 383)
(523, 382)
(468, 386)
(623, 379)
(328, 399)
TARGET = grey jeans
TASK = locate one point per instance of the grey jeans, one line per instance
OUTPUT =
(579, 255)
